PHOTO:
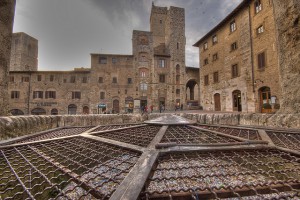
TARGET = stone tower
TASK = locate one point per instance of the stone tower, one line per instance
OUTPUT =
(168, 30)
(24, 53)
(7, 10)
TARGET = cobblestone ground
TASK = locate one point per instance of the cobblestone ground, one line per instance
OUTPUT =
(165, 158)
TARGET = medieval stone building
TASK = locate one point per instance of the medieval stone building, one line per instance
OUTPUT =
(7, 11)
(239, 61)
(155, 74)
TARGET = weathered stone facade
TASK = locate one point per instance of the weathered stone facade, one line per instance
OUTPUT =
(7, 9)
(239, 61)
(287, 16)
(24, 53)
(154, 74)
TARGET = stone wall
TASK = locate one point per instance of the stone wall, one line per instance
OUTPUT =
(287, 18)
(11, 127)
(7, 9)
(16, 126)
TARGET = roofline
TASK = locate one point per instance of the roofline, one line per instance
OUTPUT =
(106, 54)
(23, 33)
(37, 72)
(241, 5)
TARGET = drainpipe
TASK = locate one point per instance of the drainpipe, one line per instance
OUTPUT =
(251, 50)
(29, 91)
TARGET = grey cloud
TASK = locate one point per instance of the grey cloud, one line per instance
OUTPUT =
(68, 31)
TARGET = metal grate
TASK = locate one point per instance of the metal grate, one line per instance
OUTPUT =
(75, 168)
(238, 132)
(111, 127)
(285, 139)
(56, 134)
(225, 174)
(141, 136)
(189, 135)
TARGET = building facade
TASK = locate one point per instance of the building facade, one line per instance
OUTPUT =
(154, 75)
(239, 61)
(7, 10)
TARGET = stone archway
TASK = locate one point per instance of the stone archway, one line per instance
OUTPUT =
(192, 94)
(191, 84)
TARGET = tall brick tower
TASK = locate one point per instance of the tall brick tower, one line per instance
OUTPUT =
(7, 10)
(168, 30)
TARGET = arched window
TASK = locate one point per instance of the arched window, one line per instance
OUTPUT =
(54, 111)
(16, 112)
(38, 111)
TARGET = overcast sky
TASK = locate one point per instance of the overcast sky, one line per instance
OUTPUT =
(69, 30)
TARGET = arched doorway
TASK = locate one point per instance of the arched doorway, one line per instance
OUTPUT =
(16, 112)
(265, 100)
(38, 111)
(217, 100)
(85, 110)
(72, 109)
(54, 111)
(116, 107)
(236, 101)
(192, 94)
(191, 86)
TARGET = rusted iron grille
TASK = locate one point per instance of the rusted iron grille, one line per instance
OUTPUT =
(225, 174)
(141, 136)
(110, 127)
(75, 168)
(285, 140)
(238, 132)
(189, 135)
(56, 134)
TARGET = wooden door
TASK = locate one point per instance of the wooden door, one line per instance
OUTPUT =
(116, 108)
(217, 100)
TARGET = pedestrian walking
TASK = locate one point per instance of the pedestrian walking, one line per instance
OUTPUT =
(181, 107)
(151, 108)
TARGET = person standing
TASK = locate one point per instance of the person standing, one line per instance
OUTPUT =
(151, 108)
(181, 107)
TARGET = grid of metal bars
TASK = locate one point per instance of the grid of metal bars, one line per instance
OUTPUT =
(75, 168)
(84, 167)
(63, 132)
(225, 174)
(285, 139)
(189, 135)
(238, 132)
(141, 136)
(111, 127)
